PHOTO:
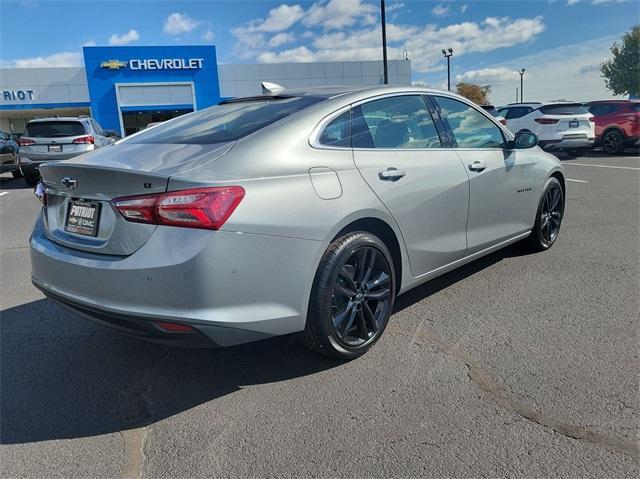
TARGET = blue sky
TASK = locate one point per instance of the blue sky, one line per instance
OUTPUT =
(559, 42)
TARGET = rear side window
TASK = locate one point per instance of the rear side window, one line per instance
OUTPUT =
(517, 112)
(224, 122)
(54, 129)
(338, 131)
(471, 129)
(565, 109)
(402, 122)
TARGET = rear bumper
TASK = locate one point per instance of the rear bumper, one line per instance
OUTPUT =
(232, 288)
(567, 142)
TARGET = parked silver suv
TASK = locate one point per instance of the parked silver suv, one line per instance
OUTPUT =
(58, 138)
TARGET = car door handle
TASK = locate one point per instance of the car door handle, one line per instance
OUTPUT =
(477, 166)
(391, 174)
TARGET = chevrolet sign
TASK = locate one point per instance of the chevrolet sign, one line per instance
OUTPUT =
(166, 64)
(113, 65)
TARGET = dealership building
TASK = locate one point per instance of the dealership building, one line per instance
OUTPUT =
(125, 88)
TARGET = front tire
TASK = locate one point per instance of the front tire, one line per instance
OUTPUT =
(613, 142)
(576, 152)
(548, 217)
(352, 297)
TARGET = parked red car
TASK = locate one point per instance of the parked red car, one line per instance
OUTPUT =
(617, 124)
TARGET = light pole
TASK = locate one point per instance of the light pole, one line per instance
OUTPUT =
(447, 54)
(384, 43)
(521, 72)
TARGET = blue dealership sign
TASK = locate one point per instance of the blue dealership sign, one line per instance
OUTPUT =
(111, 69)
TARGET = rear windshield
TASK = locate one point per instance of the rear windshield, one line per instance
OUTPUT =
(224, 122)
(54, 129)
(565, 109)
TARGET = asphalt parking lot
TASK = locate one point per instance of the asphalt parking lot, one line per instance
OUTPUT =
(516, 364)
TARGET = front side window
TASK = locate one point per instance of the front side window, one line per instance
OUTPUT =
(471, 129)
(402, 122)
(337, 133)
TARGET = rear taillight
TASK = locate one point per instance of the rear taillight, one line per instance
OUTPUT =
(84, 140)
(41, 193)
(25, 142)
(503, 121)
(546, 121)
(205, 208)
(592, 119)
(173, 327)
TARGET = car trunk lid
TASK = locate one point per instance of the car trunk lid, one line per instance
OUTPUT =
(90, 182)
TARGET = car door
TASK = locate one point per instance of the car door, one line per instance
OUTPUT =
(398, 150)
(502, 191)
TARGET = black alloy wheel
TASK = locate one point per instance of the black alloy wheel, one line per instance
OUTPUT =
(352, 296)
(361, 297)
(549, 217)
(613, 142)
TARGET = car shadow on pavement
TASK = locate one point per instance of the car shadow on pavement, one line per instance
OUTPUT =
(9, 183)
(63, 377)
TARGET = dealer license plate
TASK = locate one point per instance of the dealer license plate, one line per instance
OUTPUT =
(82, 218)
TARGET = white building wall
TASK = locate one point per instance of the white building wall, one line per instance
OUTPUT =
(244, 80)
(49, 85)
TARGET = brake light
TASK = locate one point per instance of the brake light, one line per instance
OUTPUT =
(592, 119)
(546, 121)
(173, 327)
(25, 142)
(84, 140)
(205, 208)
(503, 121)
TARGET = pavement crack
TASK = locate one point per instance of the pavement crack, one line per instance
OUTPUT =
(479, 375)
(137, 406)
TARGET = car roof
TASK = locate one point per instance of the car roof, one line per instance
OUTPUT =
(630, 100)
(59, 118)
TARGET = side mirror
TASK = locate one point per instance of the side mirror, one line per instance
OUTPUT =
(525, 140)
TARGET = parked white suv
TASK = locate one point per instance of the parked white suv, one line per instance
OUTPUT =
(59, 138)
(561, 126)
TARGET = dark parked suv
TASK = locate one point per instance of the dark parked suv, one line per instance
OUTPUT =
(8, 155)
(55, 139)
(617, 124)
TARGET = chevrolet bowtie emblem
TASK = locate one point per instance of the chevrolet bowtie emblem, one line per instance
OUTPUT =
(70, 183)
(113, 64)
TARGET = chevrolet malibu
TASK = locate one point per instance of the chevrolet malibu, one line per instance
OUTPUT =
(289, 212)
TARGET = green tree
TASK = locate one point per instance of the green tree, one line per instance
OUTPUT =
(476, 93)
(622, 72)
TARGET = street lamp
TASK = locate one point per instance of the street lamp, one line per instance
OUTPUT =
(521, 72)
(384, 43)
(447, 54)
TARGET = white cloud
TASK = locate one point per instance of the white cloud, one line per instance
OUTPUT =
(463, 8)
(570, 72)
(279, 19)
(179, 23)
(572, 2)
(488, 76)
(125, 38)
(339, 13)
(89, 43)
(441, 11)
(208, 36)
(61, 59)
(280, 39)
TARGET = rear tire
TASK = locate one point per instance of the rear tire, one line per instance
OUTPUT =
(31, 178)
(352, 297)
(16, 174)
(548, 217)
(613, 142)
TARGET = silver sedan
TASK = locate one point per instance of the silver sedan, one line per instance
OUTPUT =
(292, 212)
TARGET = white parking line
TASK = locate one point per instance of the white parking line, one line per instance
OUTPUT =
(577, 181)
(4, 193)
(603, 166)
